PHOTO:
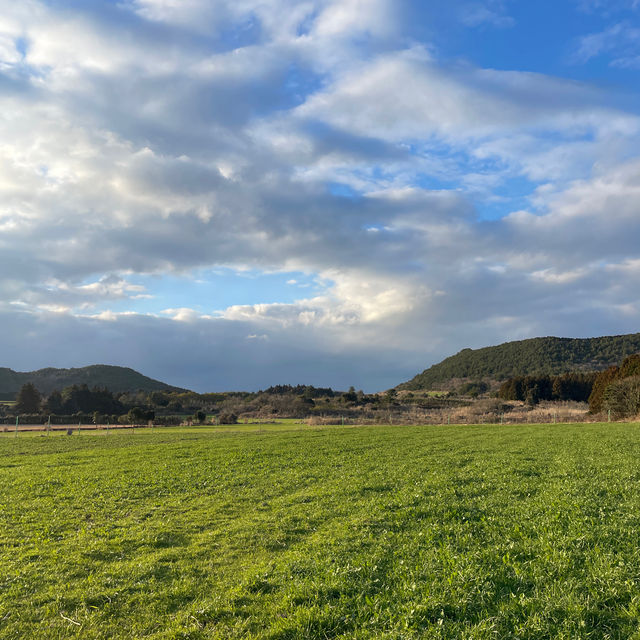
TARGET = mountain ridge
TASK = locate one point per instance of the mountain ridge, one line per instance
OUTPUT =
(533, 356)
(48, 379)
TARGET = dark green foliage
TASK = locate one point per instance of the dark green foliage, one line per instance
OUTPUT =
(350, 396)
(200, 416)
(532, 389)
(226, 417)
(54, 403)
(573, 386)
(28, 399)
(79, 398)
(300, 390)
(630, 367)
(159, 399)
(537, 356)
(168, 420)
(603, 380)
(139, 415)
(473, 389)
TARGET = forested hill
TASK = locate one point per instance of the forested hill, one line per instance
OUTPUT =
(100, 375)
(528, 357)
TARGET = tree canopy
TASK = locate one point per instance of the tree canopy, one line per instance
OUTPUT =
(28, 399)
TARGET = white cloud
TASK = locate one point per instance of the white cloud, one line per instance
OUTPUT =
(621, 41)
(493, 13)
(608, 7)
(344, 17)
(133, 154)
(406, 96)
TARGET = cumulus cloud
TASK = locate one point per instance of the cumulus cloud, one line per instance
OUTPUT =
(406, 96)
(176, 136)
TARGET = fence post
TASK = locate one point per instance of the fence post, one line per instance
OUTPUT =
(17, 418)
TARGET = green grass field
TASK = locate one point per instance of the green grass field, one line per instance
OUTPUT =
(286, 532)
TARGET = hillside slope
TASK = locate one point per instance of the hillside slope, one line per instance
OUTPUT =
(528, 357)
(100, 375)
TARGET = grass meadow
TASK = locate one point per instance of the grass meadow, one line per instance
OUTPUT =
(286, 531)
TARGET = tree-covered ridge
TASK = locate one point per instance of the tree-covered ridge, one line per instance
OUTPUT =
(115, 379)
(535, 356)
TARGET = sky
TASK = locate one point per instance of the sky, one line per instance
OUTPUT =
(231, 194)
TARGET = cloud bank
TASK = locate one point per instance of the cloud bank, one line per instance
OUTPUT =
(437, 203)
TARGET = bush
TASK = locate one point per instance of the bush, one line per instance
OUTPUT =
(226, 417)
(473, 389)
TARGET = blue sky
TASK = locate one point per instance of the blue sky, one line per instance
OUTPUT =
(233, 194)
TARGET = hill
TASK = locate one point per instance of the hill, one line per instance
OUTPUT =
(528, 357)
(99, 375)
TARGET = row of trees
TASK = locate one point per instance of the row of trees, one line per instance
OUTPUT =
(286, 400)
(71, 400)
(532, 389)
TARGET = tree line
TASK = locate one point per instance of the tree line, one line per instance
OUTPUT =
(79, 402)
(532, 389)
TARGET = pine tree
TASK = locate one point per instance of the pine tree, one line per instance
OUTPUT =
(28, 399)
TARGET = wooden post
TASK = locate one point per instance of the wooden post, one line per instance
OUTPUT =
(17, 418)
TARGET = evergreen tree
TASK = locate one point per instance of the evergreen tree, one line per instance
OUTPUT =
(28, 399)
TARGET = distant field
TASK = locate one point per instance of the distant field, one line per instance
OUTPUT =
(283, 531)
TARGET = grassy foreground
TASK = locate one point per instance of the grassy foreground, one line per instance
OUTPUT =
(371, 532)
